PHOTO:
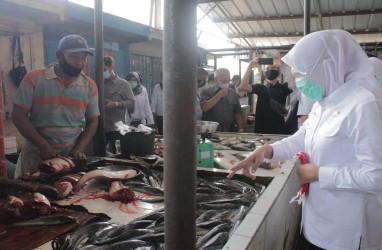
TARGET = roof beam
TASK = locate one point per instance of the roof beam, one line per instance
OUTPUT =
(210, 1)
(320, 15)
(285, 47)
(241, 50)
(298, 34)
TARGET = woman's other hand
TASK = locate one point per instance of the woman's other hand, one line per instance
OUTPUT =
(307, 173)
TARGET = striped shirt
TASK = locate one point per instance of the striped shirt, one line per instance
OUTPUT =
(51, 104)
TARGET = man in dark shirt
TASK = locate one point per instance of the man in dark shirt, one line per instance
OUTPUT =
(278, 91)
(266, 119)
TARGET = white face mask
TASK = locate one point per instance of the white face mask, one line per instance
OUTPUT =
(106, 75)
(223, 85)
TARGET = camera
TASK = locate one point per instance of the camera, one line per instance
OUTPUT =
(265, 61)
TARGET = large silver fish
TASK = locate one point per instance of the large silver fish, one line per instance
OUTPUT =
(47, 220)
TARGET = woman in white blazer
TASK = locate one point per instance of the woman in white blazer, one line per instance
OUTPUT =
(342, 138)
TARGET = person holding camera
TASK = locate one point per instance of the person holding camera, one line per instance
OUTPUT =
(267, 121)
(270, 64)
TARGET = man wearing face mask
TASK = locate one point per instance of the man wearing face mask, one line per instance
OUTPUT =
(56, 109)
(119, 99)
(267, 120)
(278, 91)
(221, 104)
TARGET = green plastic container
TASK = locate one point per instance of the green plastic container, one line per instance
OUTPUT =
(205, 154)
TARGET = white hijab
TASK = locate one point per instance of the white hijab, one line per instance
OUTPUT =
(332, 58)
(377, 65)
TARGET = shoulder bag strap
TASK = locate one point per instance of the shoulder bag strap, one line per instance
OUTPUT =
(13, 51)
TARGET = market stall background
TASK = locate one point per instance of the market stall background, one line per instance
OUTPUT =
(274, 186)
(250, 27)
(33, 28)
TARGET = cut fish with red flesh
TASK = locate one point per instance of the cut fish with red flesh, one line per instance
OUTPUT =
(104, 174)
(26, 205)
(42, 204)
(40, 198)
(14, 205)
(119, 192)
(72, 178)
(15, 201)
(64, 188)
(56, 165)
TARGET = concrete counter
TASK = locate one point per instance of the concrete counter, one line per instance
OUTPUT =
(272, 223)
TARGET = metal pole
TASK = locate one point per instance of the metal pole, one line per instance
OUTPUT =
(306, 17)
(3, 167)
(151, 24)
(158, 14)
(99, 142)
(179, 84)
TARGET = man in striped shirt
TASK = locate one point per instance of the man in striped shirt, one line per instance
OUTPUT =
(56, 109)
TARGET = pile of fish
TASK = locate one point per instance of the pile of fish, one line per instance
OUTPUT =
(237, 143)
(221, 206)
(71, 182)
(222, 143)
(158, 147)
(56, 177)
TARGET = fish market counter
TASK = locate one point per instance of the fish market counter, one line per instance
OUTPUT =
(273, 222)
(257, 213)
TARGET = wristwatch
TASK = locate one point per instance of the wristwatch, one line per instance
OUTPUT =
(116, 104)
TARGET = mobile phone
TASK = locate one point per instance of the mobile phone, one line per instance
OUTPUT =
(265, 61)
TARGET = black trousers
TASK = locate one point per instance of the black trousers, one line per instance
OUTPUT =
(159, 124)
(304, 244)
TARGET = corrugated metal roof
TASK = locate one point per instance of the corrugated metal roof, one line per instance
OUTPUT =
(259, 24)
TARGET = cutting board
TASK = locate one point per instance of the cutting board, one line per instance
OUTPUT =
(34, 236)
(224, 159)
